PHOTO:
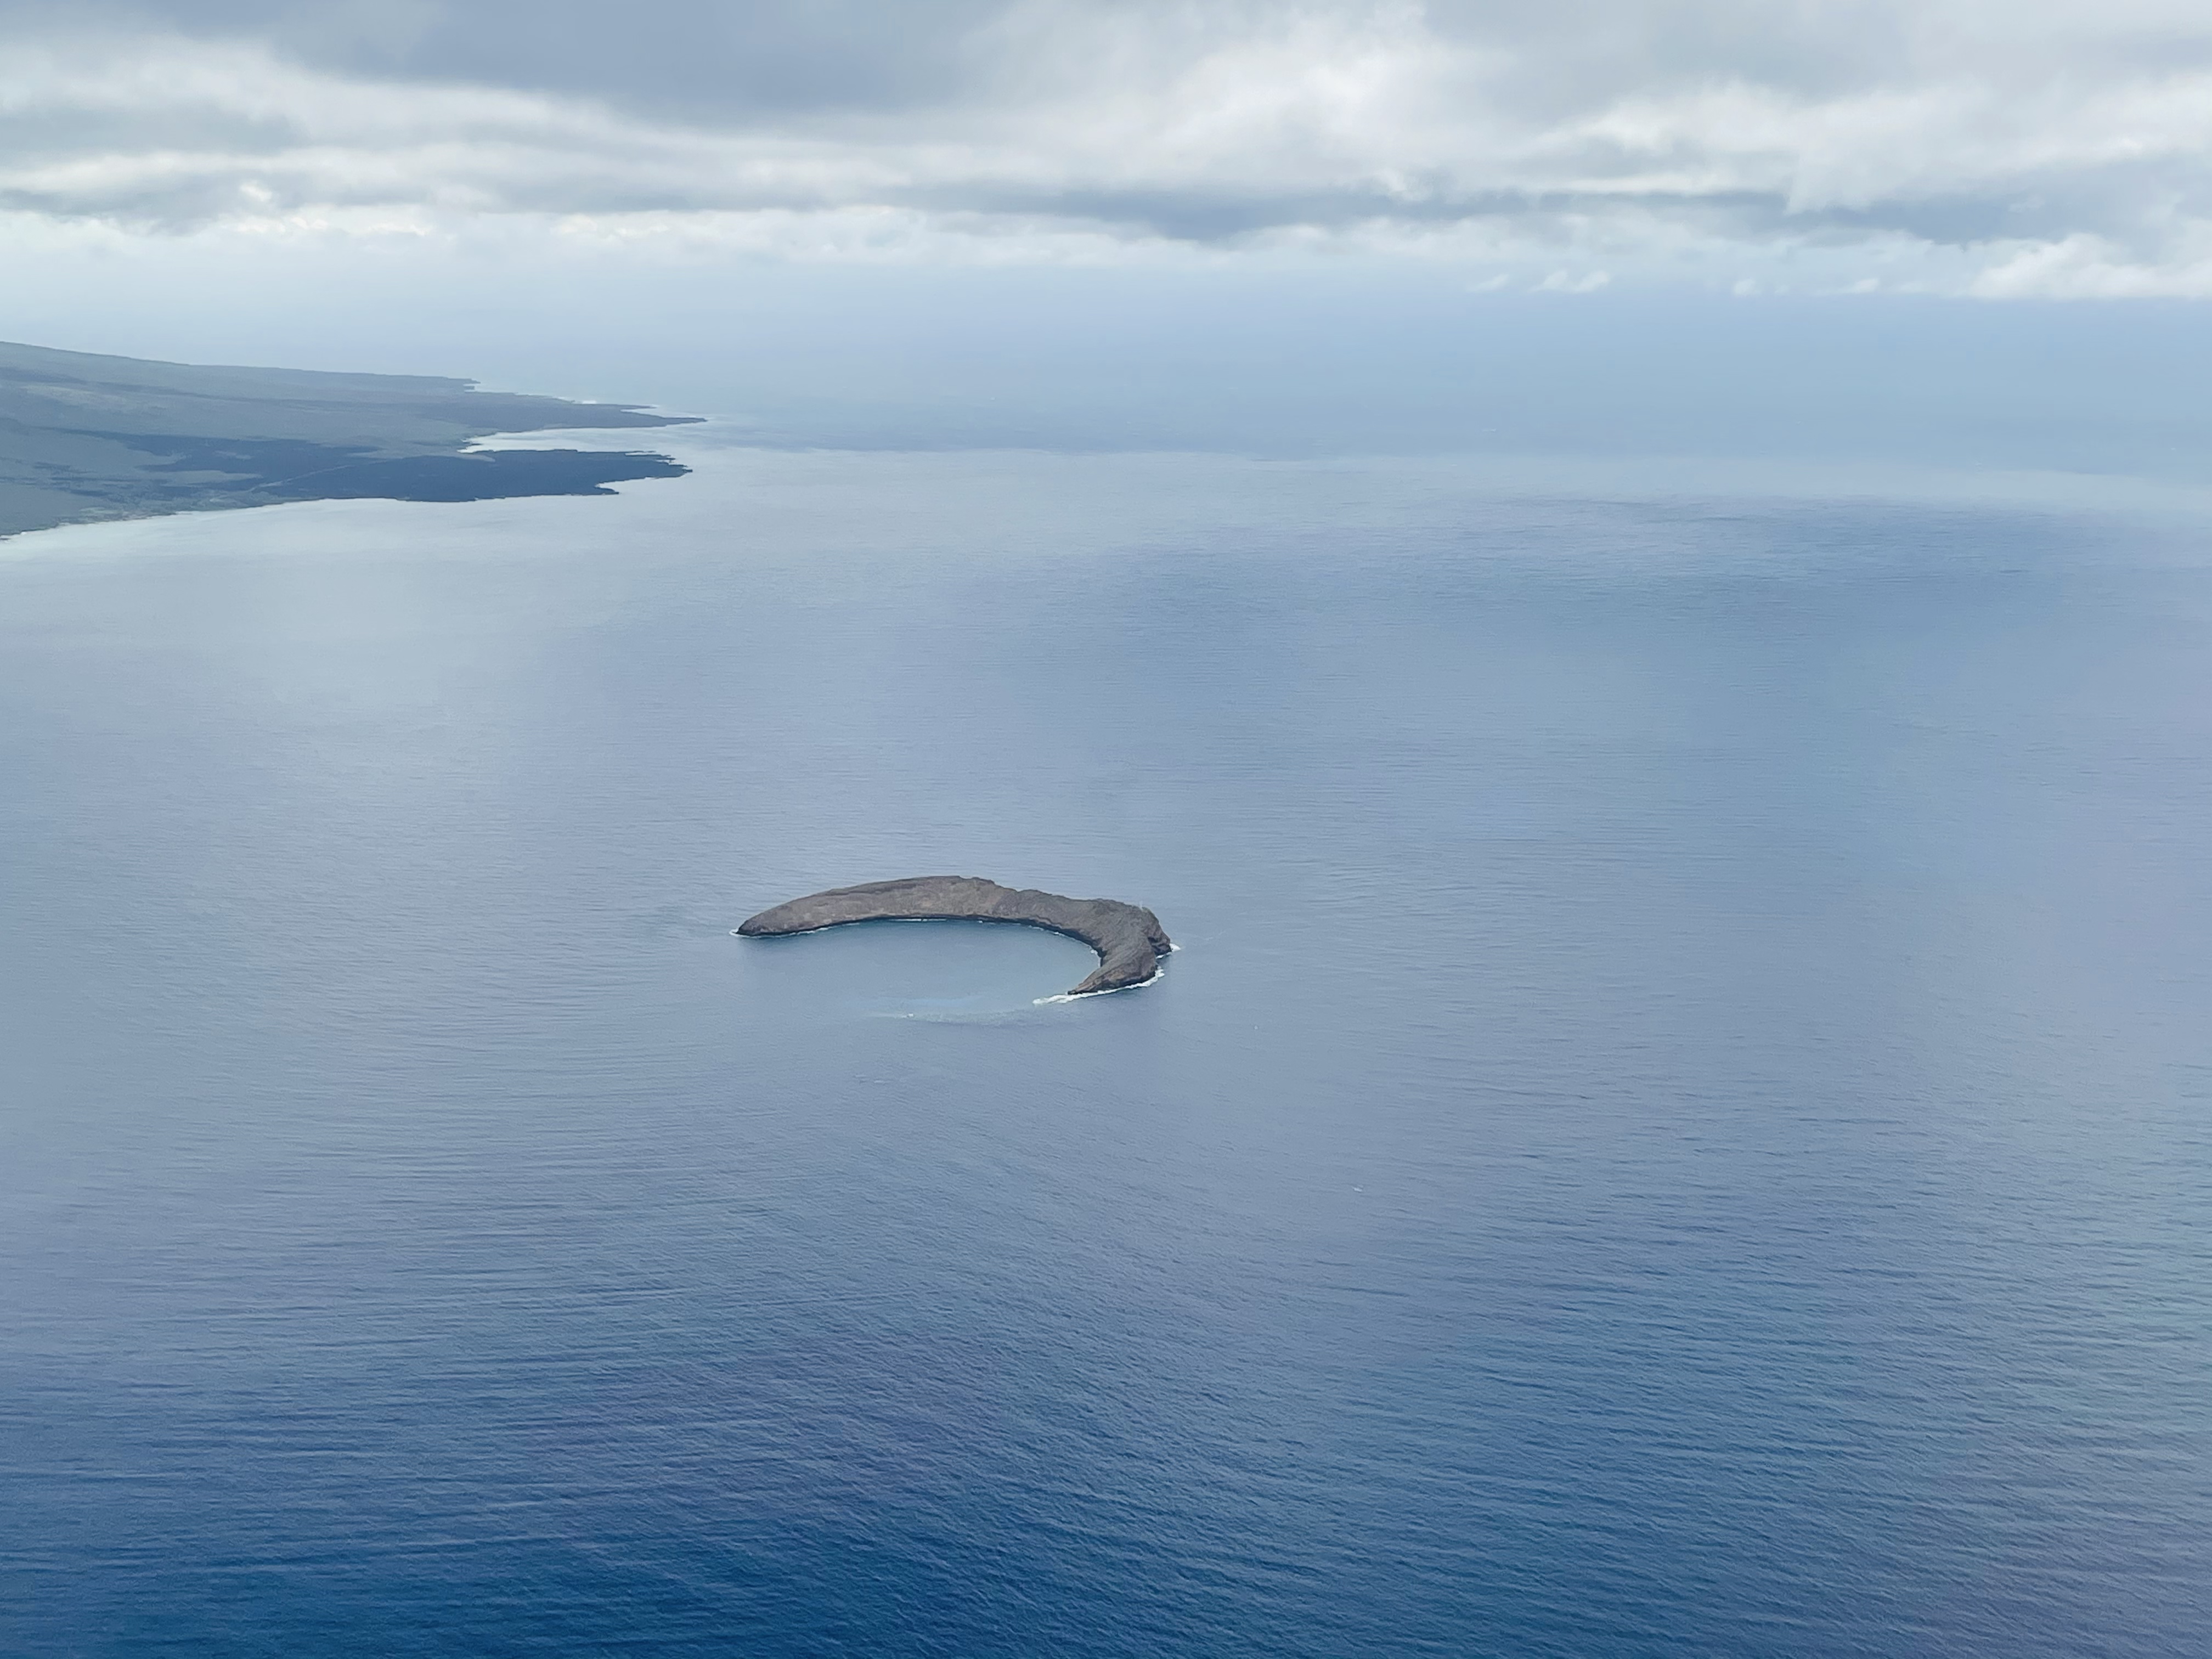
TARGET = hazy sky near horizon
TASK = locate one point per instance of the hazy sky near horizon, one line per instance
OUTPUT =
(2025, 149)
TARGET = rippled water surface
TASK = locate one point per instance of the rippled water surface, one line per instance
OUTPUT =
(1679, 1127)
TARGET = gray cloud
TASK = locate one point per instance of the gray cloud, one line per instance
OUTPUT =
(2065, 146)
(686, 59)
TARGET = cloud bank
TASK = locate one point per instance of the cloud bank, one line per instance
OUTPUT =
(2035, 148)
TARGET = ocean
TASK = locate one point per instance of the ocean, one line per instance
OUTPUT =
(1679, 1126)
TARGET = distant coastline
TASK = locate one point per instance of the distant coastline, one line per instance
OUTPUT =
(85, 438)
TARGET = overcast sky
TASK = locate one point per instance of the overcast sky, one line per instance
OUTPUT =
(1995, 148)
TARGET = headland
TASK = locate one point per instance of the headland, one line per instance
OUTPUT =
(84, 437)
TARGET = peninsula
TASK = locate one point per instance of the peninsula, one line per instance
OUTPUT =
(85, 437)
(1129, 937)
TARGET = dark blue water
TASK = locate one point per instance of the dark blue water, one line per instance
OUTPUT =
(1680, 1127)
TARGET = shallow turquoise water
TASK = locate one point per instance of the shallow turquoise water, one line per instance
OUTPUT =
(1679, 1127)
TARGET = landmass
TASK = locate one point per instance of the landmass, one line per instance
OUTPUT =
(85, 437)
(1129, 937)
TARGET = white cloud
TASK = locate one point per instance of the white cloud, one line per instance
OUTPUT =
(2089, 268)
(2062, 148)
(1567, 282)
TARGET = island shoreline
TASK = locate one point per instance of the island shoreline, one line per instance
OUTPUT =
(1131, 944)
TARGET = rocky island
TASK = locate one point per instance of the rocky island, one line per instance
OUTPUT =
(1129, 937)
(84, 437)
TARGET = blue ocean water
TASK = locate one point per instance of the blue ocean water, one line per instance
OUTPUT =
(1679, 1127)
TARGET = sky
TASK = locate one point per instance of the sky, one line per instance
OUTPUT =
(379, 183)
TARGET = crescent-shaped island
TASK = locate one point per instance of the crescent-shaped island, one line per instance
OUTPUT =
(1129, 937)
